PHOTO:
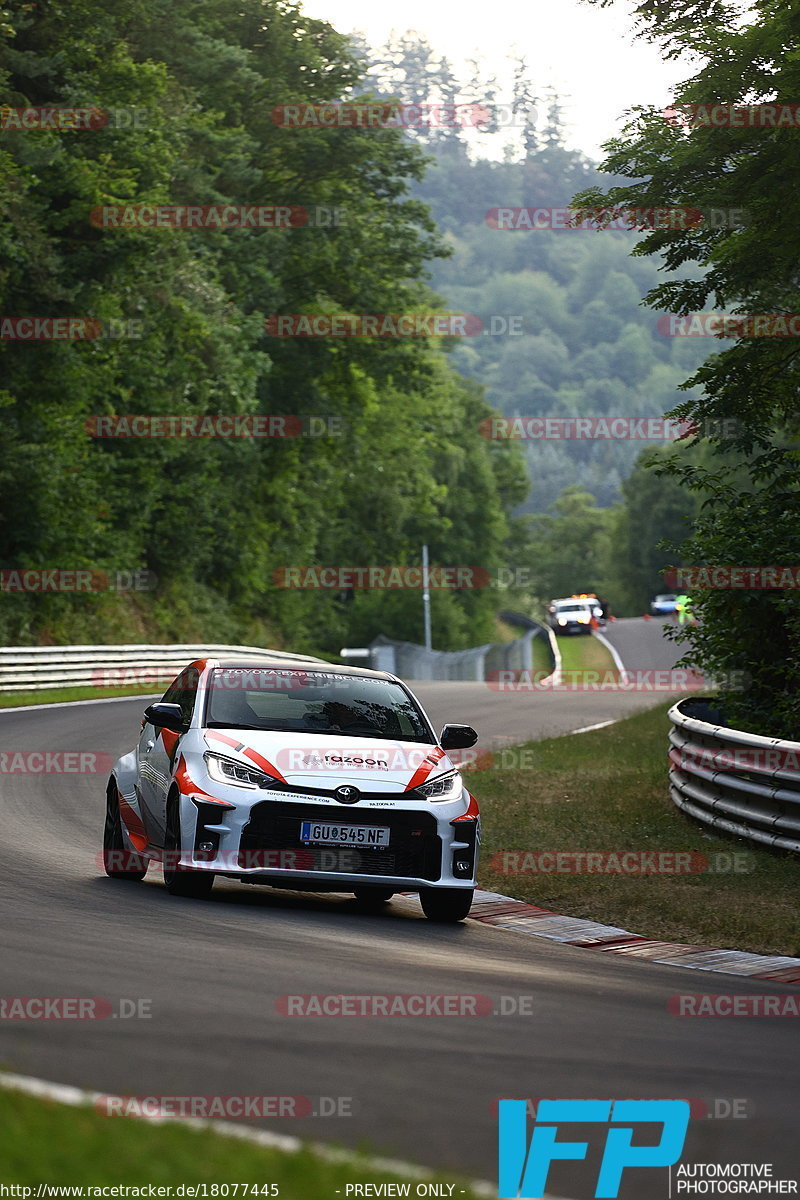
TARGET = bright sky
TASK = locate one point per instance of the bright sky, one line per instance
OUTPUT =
(588, 53)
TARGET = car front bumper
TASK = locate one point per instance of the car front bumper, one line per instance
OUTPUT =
(259, 841)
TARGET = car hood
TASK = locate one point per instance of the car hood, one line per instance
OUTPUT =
(311, 760)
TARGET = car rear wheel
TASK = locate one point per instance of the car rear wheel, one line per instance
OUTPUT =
(118, 861)
(178, 880)
(372, 898)
(446, 904)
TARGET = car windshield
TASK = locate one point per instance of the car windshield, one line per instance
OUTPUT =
(301, 701)
(664, 599)
(569, 608)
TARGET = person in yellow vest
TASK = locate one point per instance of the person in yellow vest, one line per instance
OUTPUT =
(683, 604)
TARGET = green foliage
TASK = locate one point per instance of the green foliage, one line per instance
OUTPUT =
(586, 347)
(569, 545)
(214, 519)
(750, 488)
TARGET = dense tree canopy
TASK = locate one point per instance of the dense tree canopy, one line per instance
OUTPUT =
(191, 88)
(746, 394)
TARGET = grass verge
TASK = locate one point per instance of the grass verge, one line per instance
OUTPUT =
(56, 695)
(607, 791)
(49, 1143)
(579, 653)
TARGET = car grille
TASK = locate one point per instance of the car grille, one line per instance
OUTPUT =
(414, 850)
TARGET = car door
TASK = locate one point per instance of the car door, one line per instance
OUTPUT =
(158, 749)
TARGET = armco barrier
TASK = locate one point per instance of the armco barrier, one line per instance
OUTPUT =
(411, 661)
(736, 782)
(31, 668)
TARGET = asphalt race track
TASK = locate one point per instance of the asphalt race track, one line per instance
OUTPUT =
(641, 644)
(421, 1088)
(526, 713)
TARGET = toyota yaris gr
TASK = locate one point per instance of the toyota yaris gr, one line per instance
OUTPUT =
(320, 778)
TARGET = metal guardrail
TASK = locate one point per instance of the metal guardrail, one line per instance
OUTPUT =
(33, 668)
(410, 661)
(736, 782)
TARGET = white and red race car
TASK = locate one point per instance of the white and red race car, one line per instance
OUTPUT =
(319, 778)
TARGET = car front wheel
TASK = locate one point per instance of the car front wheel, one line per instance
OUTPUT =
(446, 904)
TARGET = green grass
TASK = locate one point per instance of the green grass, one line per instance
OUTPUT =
(44, 1142)
(579, 653)
(54, 695)
(607, 791)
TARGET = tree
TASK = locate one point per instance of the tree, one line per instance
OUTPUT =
(749, 388)
(569, 545)
(214, 519)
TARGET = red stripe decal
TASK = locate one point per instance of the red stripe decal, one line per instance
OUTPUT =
(223, 737)
(472, 813)
(262, 763)
(423, 771)
(133, 823)
(187, 784)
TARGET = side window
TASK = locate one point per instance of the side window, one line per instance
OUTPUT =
(184, 692)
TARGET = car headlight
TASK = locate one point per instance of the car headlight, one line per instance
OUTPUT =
(584, 620)
(562, 620)
(230, 770)
(446, 787)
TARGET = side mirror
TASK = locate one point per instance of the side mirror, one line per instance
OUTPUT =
(166, 716)
(457, 737)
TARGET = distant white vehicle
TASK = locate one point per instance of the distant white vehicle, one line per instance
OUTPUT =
(573, 614)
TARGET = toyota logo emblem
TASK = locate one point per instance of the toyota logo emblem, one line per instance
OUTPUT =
(347, 794)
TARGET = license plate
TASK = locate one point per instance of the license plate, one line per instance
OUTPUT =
(344, 835)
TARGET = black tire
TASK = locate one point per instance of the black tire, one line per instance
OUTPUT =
(372, 898)
(118, 861)
(182, 881)
(446, 904)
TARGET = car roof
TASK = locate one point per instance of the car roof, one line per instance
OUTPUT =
(310, 668)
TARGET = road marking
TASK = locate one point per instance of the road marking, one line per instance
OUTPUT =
(599, 725)
(555, 677)
(623, 674)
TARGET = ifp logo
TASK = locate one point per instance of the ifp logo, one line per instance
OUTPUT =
(523, 1170)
